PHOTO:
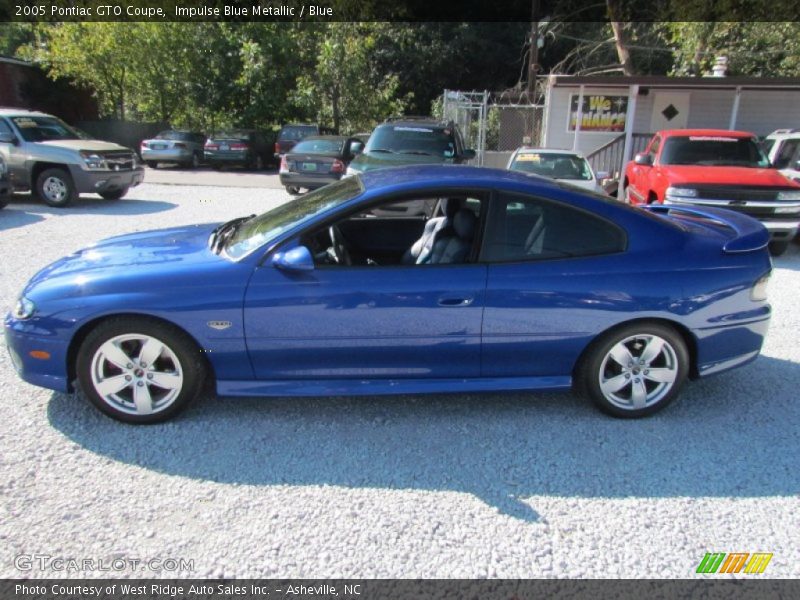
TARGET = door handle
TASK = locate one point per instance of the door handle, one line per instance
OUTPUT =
(448, 301)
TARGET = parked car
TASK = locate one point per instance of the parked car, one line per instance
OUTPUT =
(5, 187)
(182, 147)
(782, 147)
(240, 147)
(292, 133)
(411, 140)
(59, 162)
(316, 161)
(566, 166)
(517, 283)
(715, 167)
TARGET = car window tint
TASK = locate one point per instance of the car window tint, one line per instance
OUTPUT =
(553, 165)
(4, 127)
(526, 228)
(422, 207)
(319, 146)
(785, 153)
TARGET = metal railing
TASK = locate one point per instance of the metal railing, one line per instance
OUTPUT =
(610, 156)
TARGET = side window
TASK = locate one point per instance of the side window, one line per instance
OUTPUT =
(523, 228)
(654, 146)
(412, 231)
(4, 127)
(785, 152)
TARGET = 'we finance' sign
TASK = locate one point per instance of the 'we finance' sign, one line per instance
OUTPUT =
(600, 112)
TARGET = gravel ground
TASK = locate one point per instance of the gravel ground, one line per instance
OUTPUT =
(487, 485)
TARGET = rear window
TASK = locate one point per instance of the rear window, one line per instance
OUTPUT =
(233, 135)
(713, 150)
(320, 146)
(555, 166)
(412, 139)
(297, 132)
(180, 136)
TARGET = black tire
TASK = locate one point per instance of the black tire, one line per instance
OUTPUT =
(178, 359)
(778, 248)
(113, 194)
(55, 187)
(194, 163)
(293, 190)
(152, 164)
(597, 363)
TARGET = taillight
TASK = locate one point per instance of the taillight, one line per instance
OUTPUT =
(210, 146)
(284, 168)
(277, 148)
(758, 293)
(144, 145)
(337, 166)
(239, 146)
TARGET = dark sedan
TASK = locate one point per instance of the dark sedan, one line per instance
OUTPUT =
(240, 147)
(317, 161)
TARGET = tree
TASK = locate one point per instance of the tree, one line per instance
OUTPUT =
(345, 89)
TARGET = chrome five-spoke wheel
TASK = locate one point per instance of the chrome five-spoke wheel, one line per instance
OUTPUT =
(139, 370)
(137, 374)
(635, 370)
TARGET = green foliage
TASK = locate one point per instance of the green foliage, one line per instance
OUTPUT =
(752, 48)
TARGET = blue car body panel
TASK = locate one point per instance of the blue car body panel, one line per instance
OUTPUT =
(414, 329)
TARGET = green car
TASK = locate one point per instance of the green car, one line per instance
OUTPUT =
(411, 140)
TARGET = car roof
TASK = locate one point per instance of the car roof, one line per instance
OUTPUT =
(419, 122)
(7, 111)
(664, 133)
(527, 150)
(782, 134)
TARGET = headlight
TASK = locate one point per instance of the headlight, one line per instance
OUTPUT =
(680, 192)
(94, 161)
(789, 195)
(24, 309)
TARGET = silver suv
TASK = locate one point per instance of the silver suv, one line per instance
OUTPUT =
(5, 189)
(58, 162)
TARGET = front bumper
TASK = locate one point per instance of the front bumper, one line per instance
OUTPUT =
(87, 182)
(308, 180)
(49, 373)
(167, 155)
(227, 158)
(780, 225)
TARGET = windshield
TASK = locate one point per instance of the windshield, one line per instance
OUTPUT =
(261, 229)
(412, 139)
(319, 146)
(44, 129)
(555, 166)
(713, 150)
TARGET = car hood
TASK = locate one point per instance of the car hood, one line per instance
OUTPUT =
(682, 174)
(368, 162)
(90, 145)
(160, 252)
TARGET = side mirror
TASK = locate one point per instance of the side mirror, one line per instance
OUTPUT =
(356, 148)
(468, 154)
(296, 259)
(796, 165)
(600, 175)
(6, 137)
(643, 159)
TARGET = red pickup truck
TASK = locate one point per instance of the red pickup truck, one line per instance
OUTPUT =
(716, 167)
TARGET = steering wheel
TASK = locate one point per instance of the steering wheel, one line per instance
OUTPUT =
(340, 253)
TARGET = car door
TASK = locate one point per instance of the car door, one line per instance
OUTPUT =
(550, 285)
(367, 321)
(643, 174)
(13, 156)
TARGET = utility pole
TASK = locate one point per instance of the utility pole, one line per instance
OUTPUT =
(533, 50)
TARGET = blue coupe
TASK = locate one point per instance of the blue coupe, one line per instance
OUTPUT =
(503, 282)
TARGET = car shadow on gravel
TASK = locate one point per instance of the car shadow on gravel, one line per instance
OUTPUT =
(734, 435)
(86, 205)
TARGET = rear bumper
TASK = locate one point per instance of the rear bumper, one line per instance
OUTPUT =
(723, 348)
(87, 182)
(167, 155)
(307, 180)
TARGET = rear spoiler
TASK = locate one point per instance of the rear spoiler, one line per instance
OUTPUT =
(750, 235)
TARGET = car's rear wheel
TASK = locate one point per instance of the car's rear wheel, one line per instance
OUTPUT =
(113, 194)
(635, 370)
(778, 248)
(152, 164)
(139, 370)
(55, 187)
(293, 190)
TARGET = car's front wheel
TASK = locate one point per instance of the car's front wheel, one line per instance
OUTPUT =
(635, 370)
(778, 248)
(139, 370)
(55, 187)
